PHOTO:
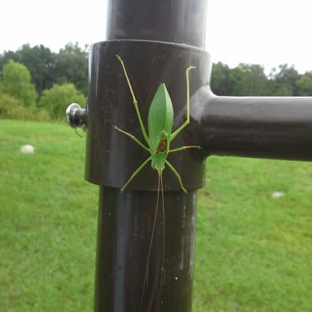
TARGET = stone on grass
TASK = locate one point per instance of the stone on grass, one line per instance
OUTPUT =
(27, 149)
(277, 194)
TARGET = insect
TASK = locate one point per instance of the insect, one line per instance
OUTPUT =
(160, 120)
(158, 139)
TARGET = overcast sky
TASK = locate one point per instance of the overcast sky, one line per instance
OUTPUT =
(266, 32)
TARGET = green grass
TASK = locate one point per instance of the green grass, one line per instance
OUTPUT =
(47, 220)
(253, 252)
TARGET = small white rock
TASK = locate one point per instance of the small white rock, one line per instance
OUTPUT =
(27, 149)
(277, 194)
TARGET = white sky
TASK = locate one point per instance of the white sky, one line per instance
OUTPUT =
(267, 32)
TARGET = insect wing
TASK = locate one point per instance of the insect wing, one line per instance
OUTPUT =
(160, 118)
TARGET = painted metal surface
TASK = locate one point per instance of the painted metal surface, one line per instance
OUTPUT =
(158, 40)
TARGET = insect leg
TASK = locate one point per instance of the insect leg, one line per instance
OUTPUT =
(135, 173)
(187, 121)
(132, 137)
(135, 102)
(182, 148)
(177, 175)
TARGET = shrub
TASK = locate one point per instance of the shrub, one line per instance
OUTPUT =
(12, 108)
(17, 83)
(56, 100)
(8, 106)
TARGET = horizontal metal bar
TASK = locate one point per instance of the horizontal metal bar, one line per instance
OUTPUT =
(260, 127)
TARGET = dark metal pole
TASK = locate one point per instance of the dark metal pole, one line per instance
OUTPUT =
(175, 21)
(125, 219)
(158, 41)
(123, 241)
(125, 222)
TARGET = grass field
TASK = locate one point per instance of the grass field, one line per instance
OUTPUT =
(253, 251)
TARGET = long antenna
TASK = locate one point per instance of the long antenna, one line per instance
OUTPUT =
(153, 232)
(164, 230)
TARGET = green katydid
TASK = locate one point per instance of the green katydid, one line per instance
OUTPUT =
(160, 120)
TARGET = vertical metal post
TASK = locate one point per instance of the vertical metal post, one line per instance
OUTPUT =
(158, 40)
(126, 219)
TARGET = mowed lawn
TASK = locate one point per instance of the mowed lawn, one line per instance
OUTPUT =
(253, 250)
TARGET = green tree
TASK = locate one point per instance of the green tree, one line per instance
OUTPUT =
(219, 79)
(304, 85)
(235, 81)
(5, 57)
(71, 66)
(39, 60)
(254, 80)
(285, 80)
(243, 80)
(41, 63)
(16, 81)
(56, 100)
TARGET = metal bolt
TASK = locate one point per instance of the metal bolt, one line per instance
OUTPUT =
(75, 116)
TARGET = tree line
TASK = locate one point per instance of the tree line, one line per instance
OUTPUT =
(250, 80)
(69, 65)
(36, 83)
(44, 82)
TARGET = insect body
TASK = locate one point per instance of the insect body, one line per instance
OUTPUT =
(160, 120)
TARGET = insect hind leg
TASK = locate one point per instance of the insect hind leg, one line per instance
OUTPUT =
(135, 173)
(177, 175)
